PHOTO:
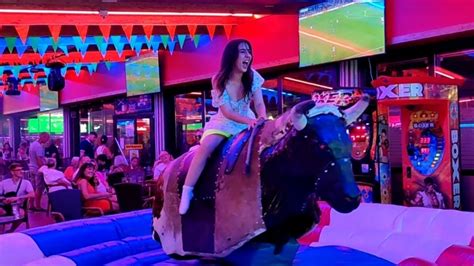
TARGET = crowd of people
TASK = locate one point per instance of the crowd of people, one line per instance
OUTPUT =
(94, 173)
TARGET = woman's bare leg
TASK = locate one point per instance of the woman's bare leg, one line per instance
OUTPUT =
(208, 145)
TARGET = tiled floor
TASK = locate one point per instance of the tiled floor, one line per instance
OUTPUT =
(36, 218)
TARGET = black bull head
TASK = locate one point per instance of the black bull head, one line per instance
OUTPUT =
(309, 159)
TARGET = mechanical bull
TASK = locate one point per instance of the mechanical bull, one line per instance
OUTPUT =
(262, 186)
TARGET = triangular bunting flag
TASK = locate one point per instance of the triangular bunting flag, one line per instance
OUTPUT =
(164, 40)
(77, 68)
(2, 49)
(64, 49)
(99, 40)
(78, 43)
(63, 71)
(228, 30)
(108, 65)
(155, 45)
(132, 40)
(105, 29)
(128, 29)
(181, 39)
(54, 44)
(171, 45)
(171, 30)
(10, 43)
(33, 42)
(115, 40)
(148, 29)
(42, 47)
(2, 68)
(103, 49)
(192, 30)
(211, 29)
(82, 30)
(46, 71)
(20, 49)
(93, 67)
(55, 31)
(196, 38)
(137, 47)
(16, 71)
(22, 31)
(89, 69)
(84, 50)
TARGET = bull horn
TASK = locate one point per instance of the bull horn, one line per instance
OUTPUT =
(351, 114)
(297, 115)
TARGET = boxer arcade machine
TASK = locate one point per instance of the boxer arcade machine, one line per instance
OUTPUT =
(361, 134)
(430, 139)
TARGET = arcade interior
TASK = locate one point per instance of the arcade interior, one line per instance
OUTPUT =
(119, 93)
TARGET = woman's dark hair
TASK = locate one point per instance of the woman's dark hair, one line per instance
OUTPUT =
(230, 55)
(81, 174)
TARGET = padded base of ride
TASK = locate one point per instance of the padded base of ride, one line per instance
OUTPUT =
(336, 255)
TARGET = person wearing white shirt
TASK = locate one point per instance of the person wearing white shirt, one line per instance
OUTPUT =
(53, 178)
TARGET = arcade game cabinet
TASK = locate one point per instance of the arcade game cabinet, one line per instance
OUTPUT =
(430, 140)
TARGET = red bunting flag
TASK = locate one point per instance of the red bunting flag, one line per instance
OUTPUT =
(105, 29)
(171, 31)
(22, 31)
(192, 30)
(82, 30)
(228, 30)
(148, 29)
(128, 29)
(55, 31)
(211, 29)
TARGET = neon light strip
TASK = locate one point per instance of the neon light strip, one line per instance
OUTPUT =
(308, 83)
(124, 13)
(466, 100)
(444, 74)
(467, 125)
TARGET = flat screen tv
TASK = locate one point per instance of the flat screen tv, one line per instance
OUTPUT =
(336, 30)
(142, 75)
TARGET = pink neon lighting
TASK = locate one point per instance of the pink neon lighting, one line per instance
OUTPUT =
(121, 13)
(308, 83)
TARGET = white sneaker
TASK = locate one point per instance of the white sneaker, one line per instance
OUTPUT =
(186, 198)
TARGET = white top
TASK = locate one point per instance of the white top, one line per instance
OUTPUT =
(8, 185)
(242, 107)
(52, 177)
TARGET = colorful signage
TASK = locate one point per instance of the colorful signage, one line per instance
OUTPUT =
(395, 91)
(131, 105)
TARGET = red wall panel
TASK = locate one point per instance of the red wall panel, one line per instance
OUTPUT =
(408, 20)
(274, 40)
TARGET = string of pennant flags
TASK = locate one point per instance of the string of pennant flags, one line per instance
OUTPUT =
(81, 42)
(112, 48)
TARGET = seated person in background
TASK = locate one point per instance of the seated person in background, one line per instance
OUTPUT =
(103, 164)
(69, 172)
(120, 164)
(136, 173)
(87, 184)
(14, 190)
(82, 160)
(102, 186)
(53, 178)
(160, 165)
